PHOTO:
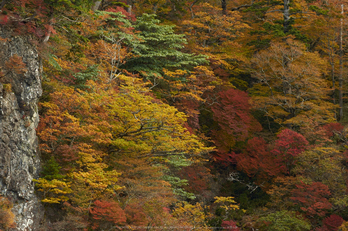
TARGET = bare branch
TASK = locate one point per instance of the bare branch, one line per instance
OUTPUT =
(234, 176)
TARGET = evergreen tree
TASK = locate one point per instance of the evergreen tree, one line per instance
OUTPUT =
(159, 49)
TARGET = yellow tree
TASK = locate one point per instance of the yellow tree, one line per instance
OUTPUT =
(216, 35)
(105, 123)
(290, 84)
(96, 134)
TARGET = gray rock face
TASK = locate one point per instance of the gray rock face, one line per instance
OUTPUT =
(19, 155)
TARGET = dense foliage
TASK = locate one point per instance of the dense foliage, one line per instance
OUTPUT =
(188, 114)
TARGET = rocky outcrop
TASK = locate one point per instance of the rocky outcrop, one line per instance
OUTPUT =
(19, 155)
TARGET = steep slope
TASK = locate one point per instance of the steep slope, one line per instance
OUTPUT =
(19, 155)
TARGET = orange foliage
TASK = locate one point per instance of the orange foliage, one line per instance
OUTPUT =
(16, 64)
(291, 89)
(106, 215)
(216, 35)
(6, 216)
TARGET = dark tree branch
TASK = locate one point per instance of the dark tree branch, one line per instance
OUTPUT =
(193, 3)
(224, 7)
(242, 6)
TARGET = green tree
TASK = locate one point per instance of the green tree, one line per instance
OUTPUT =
(325, 165)
(283, 221)
(159, 48)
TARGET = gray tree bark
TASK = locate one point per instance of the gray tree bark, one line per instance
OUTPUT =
(286, 16)
(96, 5)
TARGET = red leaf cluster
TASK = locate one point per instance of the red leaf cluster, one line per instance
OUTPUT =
(289, 145)
(105, 211)
(232, 114)
(198, 178)
(257, 160)
(229, 225)
(4, 19)
(332, 128)
(225, 159)
(333, 222)
(312, 198)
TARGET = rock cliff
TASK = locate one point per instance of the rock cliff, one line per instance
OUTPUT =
(19, 155)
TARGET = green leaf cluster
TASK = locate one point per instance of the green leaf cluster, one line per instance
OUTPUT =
(159, 48)
(283, 221)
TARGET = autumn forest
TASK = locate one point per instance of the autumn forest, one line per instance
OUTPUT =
(188, 114)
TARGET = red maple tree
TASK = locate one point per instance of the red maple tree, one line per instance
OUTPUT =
(312, 198)
(288, 145)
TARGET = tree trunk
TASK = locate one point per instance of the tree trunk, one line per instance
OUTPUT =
(96, 6)
(191, 10)
(286, 15)
(340, 80)
(224, 7)
(49, 31)
(332, 63)
(333, 86)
